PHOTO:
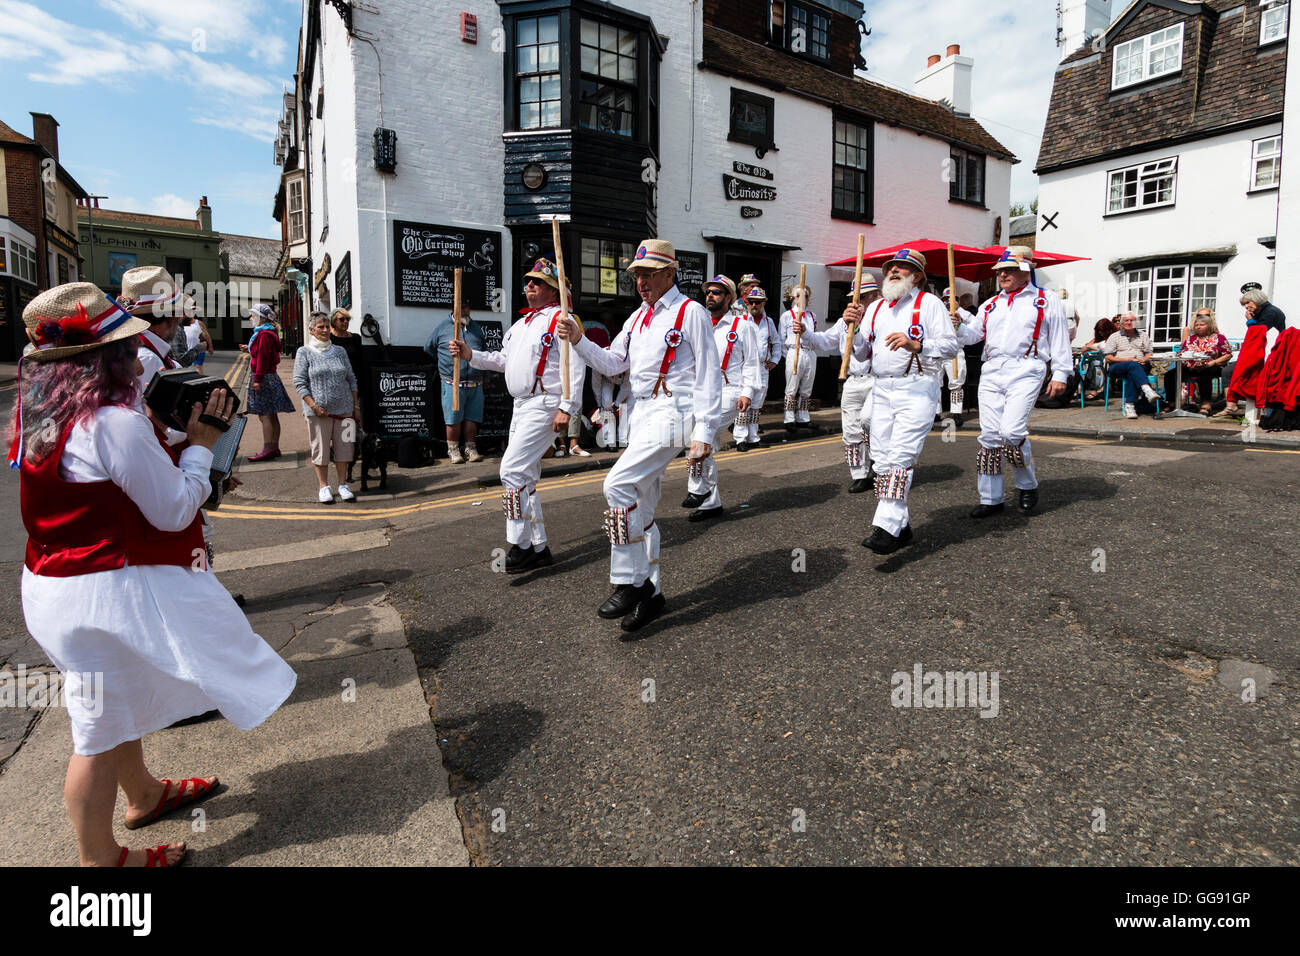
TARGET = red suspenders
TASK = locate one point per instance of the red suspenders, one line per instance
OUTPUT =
(915, 332)
(167, 360)
(672, 338)
(548, 339)
(731, 344)
(1040, 303)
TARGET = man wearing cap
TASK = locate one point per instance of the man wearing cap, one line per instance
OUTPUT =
(798, 380)
(904, 339)
(736, 341)
(530, 359)
(748, 282)
(668, 348)
(1023, 329)
(465, 421)
(769, 351)
(954, 371)
(150, 292)
(855, 401)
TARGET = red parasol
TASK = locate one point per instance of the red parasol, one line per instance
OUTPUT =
(979, 271)
(964, 256)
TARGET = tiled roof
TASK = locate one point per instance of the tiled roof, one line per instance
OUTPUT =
(735, 56)
(251, 255)
(1227, 81)
(141, 218)
(10, 135)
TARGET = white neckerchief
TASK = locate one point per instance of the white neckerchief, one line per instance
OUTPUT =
(317, 344)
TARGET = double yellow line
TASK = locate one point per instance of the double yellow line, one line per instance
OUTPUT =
(238, 372)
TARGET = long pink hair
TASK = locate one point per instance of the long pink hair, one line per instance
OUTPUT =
(69, 391)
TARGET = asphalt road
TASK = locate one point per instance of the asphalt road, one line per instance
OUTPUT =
(755, 723)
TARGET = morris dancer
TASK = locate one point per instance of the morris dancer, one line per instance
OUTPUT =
(530, 359)
(954, 370)
(737, 342)
(1023, 328)
(769, 350)
(918, 337)
(667, 345)
(798, 381)
(855, 401)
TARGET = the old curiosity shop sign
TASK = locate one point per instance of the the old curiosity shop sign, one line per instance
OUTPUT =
(751, 192)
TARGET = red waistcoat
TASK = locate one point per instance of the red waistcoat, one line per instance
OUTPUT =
(81, 527)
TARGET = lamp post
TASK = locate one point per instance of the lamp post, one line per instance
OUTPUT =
(90, 212)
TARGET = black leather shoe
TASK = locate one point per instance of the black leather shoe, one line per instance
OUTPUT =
(988, 511)
(957, 419)
(1028, 500)
(517, 557)
(624, 599)
(743, 446)
(882, 542)
(645, 611)
(706, 514)
(860, 485)
(693, 500)
(530, 559)
(790, 427)
(812, 428)
(905, 536)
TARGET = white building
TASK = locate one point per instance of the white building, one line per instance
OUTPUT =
(1161, 158)
(1286, 284)
(738, 131)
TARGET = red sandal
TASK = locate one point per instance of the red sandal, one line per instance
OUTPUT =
(154, 856)
(188, 791)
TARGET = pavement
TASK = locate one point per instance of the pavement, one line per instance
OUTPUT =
(1140, 625)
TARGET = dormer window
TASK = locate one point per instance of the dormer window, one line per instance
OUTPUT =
(801, 29)
(1146, 58)
(1273, 16)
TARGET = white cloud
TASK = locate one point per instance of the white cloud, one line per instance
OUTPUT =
(169, 204)
(255, 122)
(207, 26)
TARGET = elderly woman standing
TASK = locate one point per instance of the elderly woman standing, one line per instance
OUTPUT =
(266, 395)
(115, 589)
(323, 376)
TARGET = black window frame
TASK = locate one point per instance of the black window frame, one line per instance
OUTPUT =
(869, 184)
(516, 78)
(765, 140)
(959, 156)
(809, 13)
(583, 77)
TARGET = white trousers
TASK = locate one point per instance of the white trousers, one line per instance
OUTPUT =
(855, 421)
(749, 433)
(660, 428)
(531, 433)
(1009, 388)
(954, 372)
(799, 385)
(703, 480)
(902, 413)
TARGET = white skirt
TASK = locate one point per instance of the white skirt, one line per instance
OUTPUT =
(143, 647)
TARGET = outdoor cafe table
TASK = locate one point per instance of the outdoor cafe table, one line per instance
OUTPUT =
(1178, 359)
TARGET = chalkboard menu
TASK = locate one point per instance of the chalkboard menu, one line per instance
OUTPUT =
(343, 283)
(498, 406)
(404, 400)
(692, 270)
(425, 257)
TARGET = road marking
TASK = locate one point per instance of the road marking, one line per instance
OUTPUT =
(302, 550)
(238, 372)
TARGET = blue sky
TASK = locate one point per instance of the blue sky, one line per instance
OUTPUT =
(163, 101)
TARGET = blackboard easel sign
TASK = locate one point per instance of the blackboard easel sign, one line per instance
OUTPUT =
(498, 406)
(426, 255)
(404, 401)
(692, 269)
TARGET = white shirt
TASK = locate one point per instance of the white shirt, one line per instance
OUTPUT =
(787, 328)
(119, 445)
(745, 367)
(831, 342)
(937, 346)
(521, 350)
(640, 350)
(769, 339)
(1011, 330)
(153, 365)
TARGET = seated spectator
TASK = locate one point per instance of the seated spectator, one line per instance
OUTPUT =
(1212, 352)
(1094, 373)
(1128, 354)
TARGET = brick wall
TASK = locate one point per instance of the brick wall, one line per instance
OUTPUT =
(26, 203)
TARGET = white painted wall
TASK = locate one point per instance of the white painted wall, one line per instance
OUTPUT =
(1212, 209)
(911, 193)
(1286, 285)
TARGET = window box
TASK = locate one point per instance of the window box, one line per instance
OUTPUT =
(1146, 58)
(1142, 187)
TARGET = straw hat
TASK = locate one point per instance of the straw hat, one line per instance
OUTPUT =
(75, 317)
(1016, 257)
(868, 286)
(150, 291)
(653, 255)
(755, 295)
(723, 283)
(908, 257)
(545, 270)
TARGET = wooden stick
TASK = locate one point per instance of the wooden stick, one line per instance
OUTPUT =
(802, 298)
(848, 332)
(952, 296)
(455, 321)
(564, 305)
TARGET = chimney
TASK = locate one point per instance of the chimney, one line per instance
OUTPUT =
(1079, 22)
(948, 79)
(204, 215)
(45, 130)
(934, 58)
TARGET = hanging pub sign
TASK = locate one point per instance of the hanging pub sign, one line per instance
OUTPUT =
(739, 189)
(426, 256)
(343, 283)
(692, 270)
(749, 169)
